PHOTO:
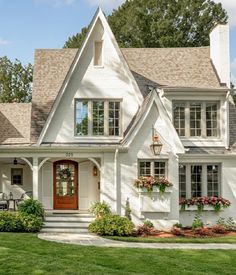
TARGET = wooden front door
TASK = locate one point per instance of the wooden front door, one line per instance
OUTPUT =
(65, 184)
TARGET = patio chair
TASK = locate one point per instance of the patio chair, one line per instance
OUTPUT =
(3, 201)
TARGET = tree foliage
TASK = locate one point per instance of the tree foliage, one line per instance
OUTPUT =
(15, 81)
(162, 23)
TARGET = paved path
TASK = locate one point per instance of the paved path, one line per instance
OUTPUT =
(93, 240)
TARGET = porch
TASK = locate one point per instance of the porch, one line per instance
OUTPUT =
(58, 183)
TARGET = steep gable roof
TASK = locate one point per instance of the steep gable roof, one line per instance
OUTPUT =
(173, 67)
(50, 70)
(15, 123)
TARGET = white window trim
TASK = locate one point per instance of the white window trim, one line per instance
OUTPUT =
(203, 119)
(106, 135)
(204, 178)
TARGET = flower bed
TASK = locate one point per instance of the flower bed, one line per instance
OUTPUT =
(149, 182)
(201, 202)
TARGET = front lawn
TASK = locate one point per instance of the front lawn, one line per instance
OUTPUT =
(223, 239)
(23, 254)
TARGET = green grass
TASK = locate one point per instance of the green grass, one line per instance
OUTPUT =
(25, 254)
(224, 239)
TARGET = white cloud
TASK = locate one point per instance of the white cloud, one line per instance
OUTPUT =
(4, 41)
(106, 4)
(230, 6)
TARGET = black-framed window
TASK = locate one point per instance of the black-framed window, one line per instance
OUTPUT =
(17, 176)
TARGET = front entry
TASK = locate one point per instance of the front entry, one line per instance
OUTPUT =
(65, 185)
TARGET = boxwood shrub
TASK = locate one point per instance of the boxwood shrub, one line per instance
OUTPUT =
(112, 225)
(31, 207)
(19, 222)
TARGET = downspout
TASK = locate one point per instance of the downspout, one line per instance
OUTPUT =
(227, 121)
(116, 179)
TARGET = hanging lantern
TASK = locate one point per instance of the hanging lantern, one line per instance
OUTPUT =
(15, 162)
(95, 171)
(156, 145)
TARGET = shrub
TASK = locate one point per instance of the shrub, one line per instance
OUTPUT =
(31, 223)
(112, 225)
(100, 209)
(178, 225)
(145, 230)
(228, 224)
(219, 229)
(148, 223)
(19, 222)
(177, 231)
(197, 222)
(203, 231)
(31, 207)
(9, 222)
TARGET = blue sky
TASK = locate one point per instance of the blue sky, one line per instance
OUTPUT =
(29, 24)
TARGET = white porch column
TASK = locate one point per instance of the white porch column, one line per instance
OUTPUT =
(35, 178)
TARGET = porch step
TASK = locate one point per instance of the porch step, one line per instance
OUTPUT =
(66, 222)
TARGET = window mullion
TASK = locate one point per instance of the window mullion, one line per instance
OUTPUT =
(203, 120)
(187, 120)
(106, 118)
(90, 118)
(204, 180)
(188, 181)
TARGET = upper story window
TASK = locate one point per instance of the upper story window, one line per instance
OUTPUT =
(98, 53)
(196, 119)
(97, 117)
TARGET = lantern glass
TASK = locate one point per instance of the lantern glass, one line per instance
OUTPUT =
(156, 148)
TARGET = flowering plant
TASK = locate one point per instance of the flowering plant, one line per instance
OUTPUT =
(149, 182)
(200, 202)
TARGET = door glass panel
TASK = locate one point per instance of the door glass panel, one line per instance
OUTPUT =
(65, 181)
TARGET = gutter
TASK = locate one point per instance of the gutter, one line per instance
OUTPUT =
(116, 178)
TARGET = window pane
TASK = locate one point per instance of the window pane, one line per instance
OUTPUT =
(159, 169)
(212, 180)
(196, 180)
(98, 118)
(98, 53)
(182, 181)
(145, 168)
(114, 118)
(179, 118)
(81, 118)
(17, 176)
(195, 119)
(211, 119)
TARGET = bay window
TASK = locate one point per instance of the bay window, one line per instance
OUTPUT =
(196, 119)
(97, 117)
(197, 180)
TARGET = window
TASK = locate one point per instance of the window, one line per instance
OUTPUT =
(152, 168)
(196, 180)
(17, 176)
(196, 119)
(97, 117)
(98, 51)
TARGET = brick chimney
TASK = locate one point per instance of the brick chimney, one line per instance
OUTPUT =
(219, 51)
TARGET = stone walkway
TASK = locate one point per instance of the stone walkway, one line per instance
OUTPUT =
(93, 240)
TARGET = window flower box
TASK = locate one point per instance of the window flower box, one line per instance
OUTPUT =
(202, 203)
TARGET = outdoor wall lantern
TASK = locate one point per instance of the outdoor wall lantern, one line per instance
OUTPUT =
(95, 171)
(156, 145)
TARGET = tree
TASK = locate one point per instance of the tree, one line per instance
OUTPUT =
(15, 81)
(162, 23)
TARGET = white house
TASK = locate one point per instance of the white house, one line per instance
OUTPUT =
(92, 117)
